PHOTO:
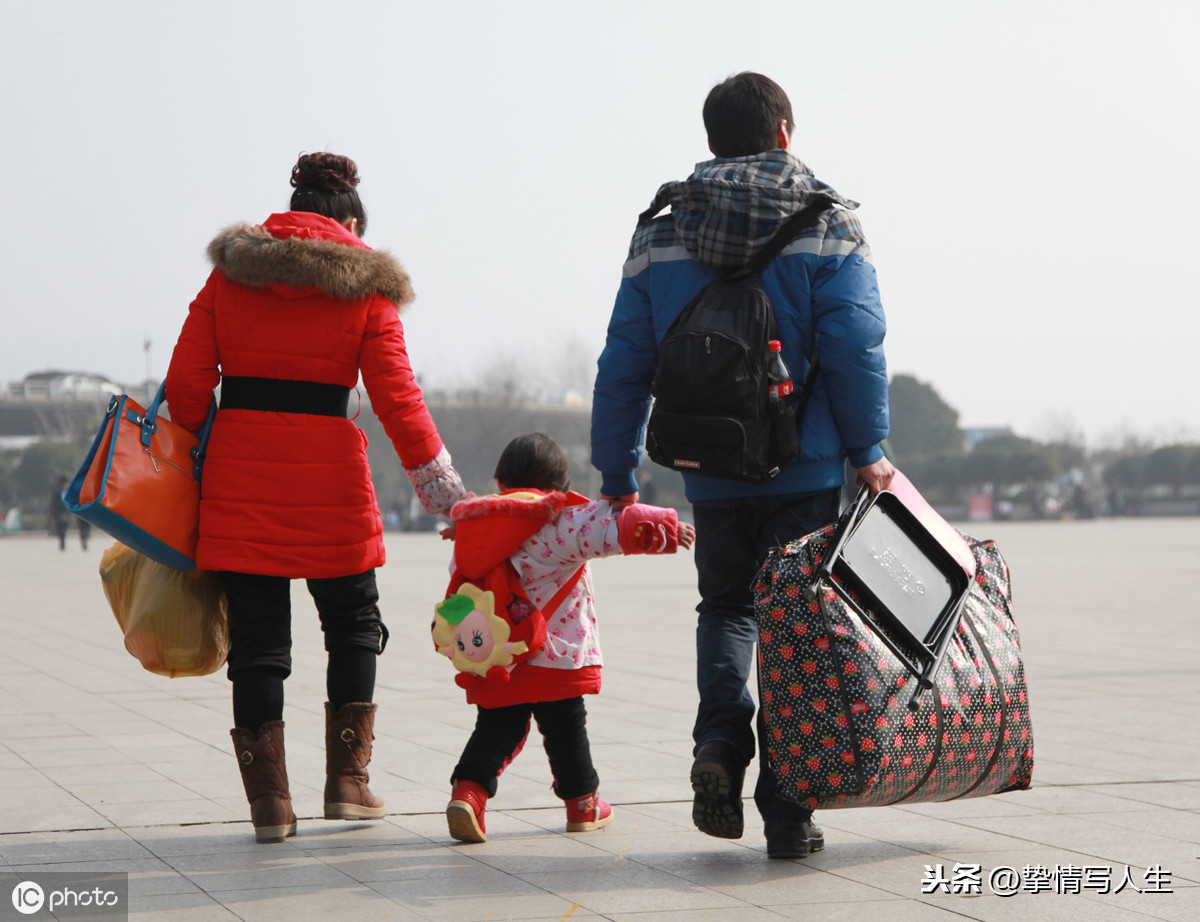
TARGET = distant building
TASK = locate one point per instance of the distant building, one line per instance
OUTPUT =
(54, 404)
(63, 385)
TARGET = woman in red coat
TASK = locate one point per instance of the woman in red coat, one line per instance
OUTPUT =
(294, 310)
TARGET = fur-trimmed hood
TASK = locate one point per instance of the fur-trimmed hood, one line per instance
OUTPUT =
(308, 251)
(515, 504)
(490, 528)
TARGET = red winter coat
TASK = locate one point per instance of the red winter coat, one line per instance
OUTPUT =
(298, 298)
(508, 526)
(548, 539)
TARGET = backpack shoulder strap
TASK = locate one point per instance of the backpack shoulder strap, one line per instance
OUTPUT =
(792, 228)
(564, 590)
(651, 213)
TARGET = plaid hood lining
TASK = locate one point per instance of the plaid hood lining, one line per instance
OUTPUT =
(731, 207)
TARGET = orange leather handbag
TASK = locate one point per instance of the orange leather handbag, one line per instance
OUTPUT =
(140, 481)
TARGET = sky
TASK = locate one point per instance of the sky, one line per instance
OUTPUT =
(1025, 171)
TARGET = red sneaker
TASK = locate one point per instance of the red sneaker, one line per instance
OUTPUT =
(464, 813)
(587, 813)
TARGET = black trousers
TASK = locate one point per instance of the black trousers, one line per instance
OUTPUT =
(260, 639)
(260, 617)
(500, 734)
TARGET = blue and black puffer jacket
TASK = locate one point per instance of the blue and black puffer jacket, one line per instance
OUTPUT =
(822, 283)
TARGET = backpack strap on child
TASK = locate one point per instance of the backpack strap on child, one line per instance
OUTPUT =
(564, 590)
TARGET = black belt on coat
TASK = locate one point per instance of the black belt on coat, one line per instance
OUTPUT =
(278, 395)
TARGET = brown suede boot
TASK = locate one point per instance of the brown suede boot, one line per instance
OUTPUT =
(264, 775)
(348, 736)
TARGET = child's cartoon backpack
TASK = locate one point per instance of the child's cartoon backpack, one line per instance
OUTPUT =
(486, 624)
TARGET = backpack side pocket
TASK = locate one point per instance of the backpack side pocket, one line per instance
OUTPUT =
(785, 437)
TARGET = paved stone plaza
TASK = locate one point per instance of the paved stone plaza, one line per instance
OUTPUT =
(107, 768)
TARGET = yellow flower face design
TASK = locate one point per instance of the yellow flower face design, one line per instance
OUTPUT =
(467, 630)
(473, 637)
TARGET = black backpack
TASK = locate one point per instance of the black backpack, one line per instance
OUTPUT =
(711, 413)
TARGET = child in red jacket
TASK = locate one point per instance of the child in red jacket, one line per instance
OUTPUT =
(547, 535)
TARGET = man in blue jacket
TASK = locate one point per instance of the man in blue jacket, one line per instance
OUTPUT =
(822, 284)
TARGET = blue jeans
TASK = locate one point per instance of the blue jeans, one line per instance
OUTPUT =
(732, 542)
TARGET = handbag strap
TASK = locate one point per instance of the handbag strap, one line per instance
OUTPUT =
(149, 425)
(201, 448)
(149, 422)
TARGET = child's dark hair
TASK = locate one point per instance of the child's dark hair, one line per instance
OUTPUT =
(533, 461)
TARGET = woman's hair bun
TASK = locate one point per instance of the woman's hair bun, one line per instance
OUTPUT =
(329, 172)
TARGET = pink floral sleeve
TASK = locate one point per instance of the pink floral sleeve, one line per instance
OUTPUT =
(583, 533)
(437, 483)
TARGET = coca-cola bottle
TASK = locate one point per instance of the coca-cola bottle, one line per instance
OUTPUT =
(779, 379)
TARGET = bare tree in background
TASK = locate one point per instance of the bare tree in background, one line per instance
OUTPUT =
(1061, 427)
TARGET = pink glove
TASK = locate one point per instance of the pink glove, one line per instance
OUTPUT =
(643, 529)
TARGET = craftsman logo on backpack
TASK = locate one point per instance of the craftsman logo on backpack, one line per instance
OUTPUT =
(712, 414)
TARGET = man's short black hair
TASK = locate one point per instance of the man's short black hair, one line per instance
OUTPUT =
(742, 113)
(533, 461)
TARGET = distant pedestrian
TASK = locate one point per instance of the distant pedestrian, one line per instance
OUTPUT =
(647, 489)
(56, 512)
(85, 531)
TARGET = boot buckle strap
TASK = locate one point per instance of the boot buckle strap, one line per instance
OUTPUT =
(247, 757)
(347, 736)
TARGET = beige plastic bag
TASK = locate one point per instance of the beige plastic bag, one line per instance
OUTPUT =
(175, 623)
